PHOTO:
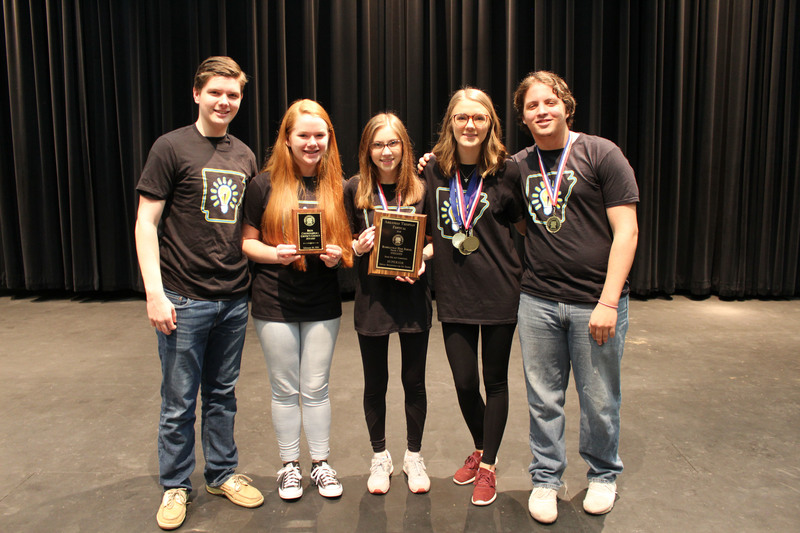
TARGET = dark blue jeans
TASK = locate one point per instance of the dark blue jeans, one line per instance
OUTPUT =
(204, 352)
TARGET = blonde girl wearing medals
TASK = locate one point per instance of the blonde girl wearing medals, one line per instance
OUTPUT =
(476, 273)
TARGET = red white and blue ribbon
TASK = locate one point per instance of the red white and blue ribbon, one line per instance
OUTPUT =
(465, 205)
(553, 188)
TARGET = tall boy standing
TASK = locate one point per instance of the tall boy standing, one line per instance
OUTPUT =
(579, 195)
(188, 241)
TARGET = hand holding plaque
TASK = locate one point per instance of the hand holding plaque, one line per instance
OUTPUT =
(308, 230)
(399, 240)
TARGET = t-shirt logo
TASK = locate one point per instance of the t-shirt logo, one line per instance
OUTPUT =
(223, 191)
(540, 207)
(446, 220)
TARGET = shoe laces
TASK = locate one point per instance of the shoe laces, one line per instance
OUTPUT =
(173, 496)
(380, 465)
(415, 466)
(484, 478)
(289, 476)
(239, 480)
(606, 489)
(324, 475)
(472, 463)
(544, 493)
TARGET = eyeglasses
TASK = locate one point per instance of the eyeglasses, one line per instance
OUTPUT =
(393, 144)
(479, 119)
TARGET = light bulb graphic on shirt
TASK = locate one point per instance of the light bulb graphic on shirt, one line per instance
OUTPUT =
(541, 200)
(547, 207)
(224, 194)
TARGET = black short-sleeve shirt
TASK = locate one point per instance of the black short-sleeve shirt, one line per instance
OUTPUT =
(203, 181)
(482, 287)
(384, 305)
(570, 265)
(281, 293)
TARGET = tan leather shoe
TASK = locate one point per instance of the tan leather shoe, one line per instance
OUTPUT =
(238, 489)
(172, 511)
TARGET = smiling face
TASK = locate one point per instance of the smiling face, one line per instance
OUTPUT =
(308, 142)
(469, 136)
(546, 117)
(386, 151)
(218, 102)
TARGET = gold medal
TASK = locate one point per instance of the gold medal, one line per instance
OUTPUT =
(553, 224)
(458, 238)
(470, 244)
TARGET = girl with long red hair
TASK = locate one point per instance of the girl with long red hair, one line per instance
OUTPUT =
(296, 304)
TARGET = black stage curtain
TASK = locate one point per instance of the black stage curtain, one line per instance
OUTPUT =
(703, 97)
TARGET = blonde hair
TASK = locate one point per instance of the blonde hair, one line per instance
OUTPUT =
(286, 180)
(493, 151)
(409, 186)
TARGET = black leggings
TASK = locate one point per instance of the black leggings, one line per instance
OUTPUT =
(486, 421)
(374, 357)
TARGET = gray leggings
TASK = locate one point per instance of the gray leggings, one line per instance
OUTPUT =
(299, 356)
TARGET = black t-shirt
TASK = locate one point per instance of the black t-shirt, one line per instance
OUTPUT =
(282, 293)
(382, 304)
(203, 181)
(570, 265)
(483, 287)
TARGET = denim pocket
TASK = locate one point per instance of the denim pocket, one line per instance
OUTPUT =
(176, 299)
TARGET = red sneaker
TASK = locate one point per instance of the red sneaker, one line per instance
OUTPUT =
(484, 492)
(466, 474)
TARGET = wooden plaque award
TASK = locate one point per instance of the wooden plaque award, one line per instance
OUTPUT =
(308, 230)
(399, 240)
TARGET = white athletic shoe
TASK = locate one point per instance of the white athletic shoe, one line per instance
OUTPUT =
(380, 473)
(414, 467)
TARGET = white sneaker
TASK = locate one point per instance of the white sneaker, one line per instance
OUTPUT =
(414, 468)
(324, 477)
(380, 473)
(600, 497)
(290, 481)
(543, 505)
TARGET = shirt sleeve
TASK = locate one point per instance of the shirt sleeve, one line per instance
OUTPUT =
(159, 173)
(507, 207)
(350, 189)
(255, 201)
(617, 179)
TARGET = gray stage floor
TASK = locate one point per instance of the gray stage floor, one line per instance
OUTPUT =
(710, 431)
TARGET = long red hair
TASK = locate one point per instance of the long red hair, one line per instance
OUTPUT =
(287, 180)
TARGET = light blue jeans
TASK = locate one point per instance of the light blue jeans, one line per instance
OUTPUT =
(205, 353)
(299, 356)
(554, 337)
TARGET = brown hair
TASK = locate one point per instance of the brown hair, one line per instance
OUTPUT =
(493, 152)
(551, 79)
(285, 179)
(409, 185)
(218, 66)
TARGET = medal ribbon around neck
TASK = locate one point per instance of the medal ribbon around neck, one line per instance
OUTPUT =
(552, 189)
(462, 205)
(385, 203)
